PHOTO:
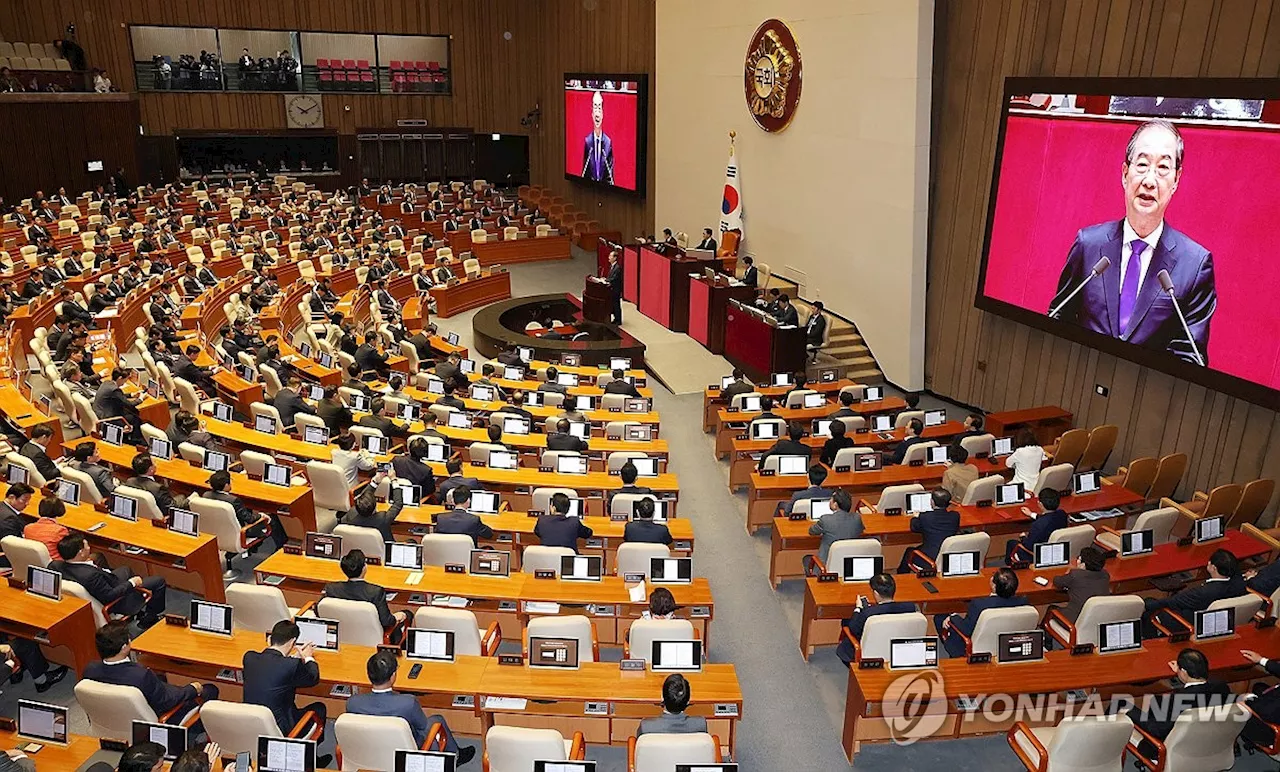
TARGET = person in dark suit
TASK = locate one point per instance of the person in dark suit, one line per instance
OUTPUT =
(111, 402)
(336, 415)
(708, 241)
(817, 476)
(356, 588)
(1265, 580)
(144, 478)
(740, 385)
(597, 147)
(459, 520)
(71, 308)
(934, 527)
(620, 386)
(972, 428)
(1088, 579)
(837, 442)
(370, 359)
(883, 588)
(1128, 302)
(550, 383)
(364, 510)
(1263, 700)
(1224, 581)
(36, 449)
(843, 522)
(1004, 588)
(16, 499)
(815, 329)
(289, 402)
(219, 483)
(1042, 527)
(561, 439)
(786, 313)
(628, 474)
(643, 529)
(750, 275)
(421, 344)
(273, 676)
(792, 446)
(674, 720)
(378, 419)
(412, 467)
(383, 700)
(615, 287)
(1194, 690)
(185, 367)
(455, 480)
(86, 459)
(117, 667)
(111, 586)
(914, 428)
(557, 529)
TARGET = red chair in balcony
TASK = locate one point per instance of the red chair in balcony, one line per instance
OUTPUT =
(366, 80)
(339, 78)
(326, 79)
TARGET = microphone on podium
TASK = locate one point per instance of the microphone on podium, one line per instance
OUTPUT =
(1166, 284)
(1099, 267)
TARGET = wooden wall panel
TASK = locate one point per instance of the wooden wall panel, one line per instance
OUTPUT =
(988, 361)
(496, 81)
(46, 144)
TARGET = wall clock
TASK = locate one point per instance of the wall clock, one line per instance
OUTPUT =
(304, 111)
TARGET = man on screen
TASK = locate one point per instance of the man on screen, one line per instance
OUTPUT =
(597, 150)
(1127, 301)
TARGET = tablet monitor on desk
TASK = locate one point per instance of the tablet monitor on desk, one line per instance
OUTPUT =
(425, 761)
(517, 374)
(458, 420)
(402, 555)
(43, 722)
(437, 451)
(1217, 623)
(410, 411)
(1119, 636)
(452, 339)
(324, 359)
(360, 403)
(407, 494)
(935, 455)
(814, 400)
(184, 521)
(435, 645)
(436, 386)
(822, 427)
(793, 465)
(580, 429)
(322, 632)
(668, 656)
(376, 444)
(467, 366)
(619, 363)
(316, 435)
(503, 459)
(570, 360)
(575, 507)
(636, 405)
(247, 372)
(173, 738)
(316, 392)
(223, 412)
(1012, 493)
(671, 570)
(322, 545)
(1210, 528)
(485, 502)
(490, 563)
(919, 502)
(304, 349)
(637, 432)
(526, 353)
(553, 652)
(913, 653)
(1002, 446)
(873, 394)
(161, 449)
(567, 379)
(780, 379)
(265, 423)
(1026, 646)
(124, 507)
(726, 381)
(1086, 482)
(571, 464)
(860, 568)
(113, 433)
(565, 766)
(584, 403)
(1051, 554)
(276, 474)
(208, 617)
(961, 563)
(751, 403)
(69, 491)
(645, 467)
(828, 375)
(582, 568)
(868, 462)
(881, 423)
(216, 461)
(44, 582)
(819, 508)
(283, 754)
(764, 430)
(1137, 542)
(515, 425)
(935, 417)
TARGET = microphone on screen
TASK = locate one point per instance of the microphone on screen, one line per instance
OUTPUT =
(1099, 267)
(1166, 285)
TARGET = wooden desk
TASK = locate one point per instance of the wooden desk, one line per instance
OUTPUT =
(826, 605)
(1047, 422)
(709, 306)
(502, 599)
(522, 250)
(23, 413)
(757, 346)
(713, 403)
(471, 293)
(79, 749)
(557, 700)
(730, 424)
(64, 628)
(598, 449)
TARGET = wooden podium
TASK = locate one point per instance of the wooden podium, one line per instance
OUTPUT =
(708, 307)
(755, 344)
(597, 301)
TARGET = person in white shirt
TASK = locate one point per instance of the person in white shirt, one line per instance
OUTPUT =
(352, 460)
(1025, 461)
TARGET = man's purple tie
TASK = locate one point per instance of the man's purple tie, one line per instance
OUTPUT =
(1129, 290)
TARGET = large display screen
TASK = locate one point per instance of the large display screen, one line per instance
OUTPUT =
(605, 120)
(1133, 215)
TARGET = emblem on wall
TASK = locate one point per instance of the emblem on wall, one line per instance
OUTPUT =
(772, 76)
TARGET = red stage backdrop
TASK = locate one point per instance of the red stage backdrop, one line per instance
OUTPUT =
(1062, 173)
(620, 124)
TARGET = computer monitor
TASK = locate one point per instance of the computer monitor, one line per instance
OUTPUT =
(819, 508)
(517, 374)
(582, 568)
(223, 412)
(1024, 646)
(435, 645)
(247, 372)
(124, 507)
(1137, 542)
(542, 765)
(1119, 636)
(360, 403)
(580, 429)
(913, 653)
(567, 379)
(645, 467)
(967, 563)
(669, 656)
(216, 461)
(575, 507)
(584, 403)
(325, 359)
(315, 391)
(322, 632)
(435, 386)
(43, 722)
(160, 448)
(919, 502)
(619, 363)
(485, 502)
(935, 417)
(322, 545)
(935, 455)
(751, 403)
(515, 425)
(184, 521)
(1217, 623)
(467, 366)
(1012, 493)
(458, 420)
(1002, 446)
(425, 761)
(409, 411)
(634, 405)
(881, 423)
(316, 435)
(793, 465)
(375, 444)
(284, 754)
(1210, 528)
(503, 459)
(304, 349)
(437, 451)
(815, 400)
(112, 433)
(490, 563)
(726, 381)
(671, 570)
(173, 738)
(571, 360)
(408, 495)
(553, 652)
(637, 432)
(69, 491)
(16, 474)
(873, 394)
(1051, 554)
(452, 338)
(208, 617)
(868, 462)
(764, 430)
(44, 582)
(276, 474)
(571, 464)
(822, 427)
(265, 423)
(780, 379)
(828, 375)
(406, 555)
(1086, 482)
(860, 568)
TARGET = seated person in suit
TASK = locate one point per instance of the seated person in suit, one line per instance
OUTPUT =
(109, 586)
(383, 700)
(561, 439)
(494, 434)
(675, 700)
(844, 522)
(740, 385)
(336, 415)
(959, 472)
(370, 359)
(111, 402)
(1265, 580)
(450, 398)
(750, 275)
(364, 511)
(117, 667)
(351, 459)
(1088, 579)
(838, 441)
(791, 446)
(972, 428)
(883, 588)
(934, 527)
(36, 449)
(557, 529)
(144, 478)
(644, 529)
(1194, 690)
(185, 367)
(380, 419)
(455, 480)
(1042, 527)
(1264, 700)
(708, 242)
(786, 313)
(289, 402)
(186, 427)
(847, 400)
(550, 383)
(620, 386)
(273, 676)
(1224, 581)
(1004, 589)
(88, 460)
(459, 520)
(817, 476)
(219, 484)
(628, 474)
(357, 589)
(412, 466)
(914, 428)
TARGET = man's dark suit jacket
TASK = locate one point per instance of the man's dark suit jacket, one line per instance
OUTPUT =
(934, 527)
(111, 402)
(508, 358)
(289, 404)
(44, 465)
(597, 165)
(815, 330)
(272, 680)
(359, 589)
(1154, 323)
(162, 697)
(422, 344)
(784, 447)
(857, 621)
(385, 425)
(1160, 723)
(158, 490)
(460, 521)
(900, 452)
(646, 531)
(621, 387)
(734, 389)
(404, 706)
(1266, 705)
(561, 531)
(1267, 580)
(558, 441)
(1043, 526)
(1199, 598)
(369, 359)
(416, 472)
(789, 316)
(103, 585)
(969, 620)
(381, 520)
(335, 415)
(449, 483)
(832, 446)
(751, 277)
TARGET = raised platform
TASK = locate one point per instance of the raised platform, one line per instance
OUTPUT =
(501, 325)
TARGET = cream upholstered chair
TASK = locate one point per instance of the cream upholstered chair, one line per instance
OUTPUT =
(510, 233)
(541, 497)
(996, 621)
(333, 497)
(981, 489)
(514, 748)
(1202, 739)
(1098, 610)
(536, 557)
(905, 417)
(918, 452)
(962, 542)
(574, 626)
(236, 726)
(1244, 607)
(479, 236)
(358, 623)
(1057, 477)
(1077, 537)
(218, 518)
(624, 503)
(467, 637)
(635, 557)
(795, 399)
(849, 456)
(661, 752)
(895, 496)
(371, 742)
(439, 549)
(255, 462)
(1161, 522)
(359, 537)
(1087, 743)
(257, 607)
(982, 443)
(883, 628)
(147, 507)
(849, 548)
(112, 709)
(619, 458)
(644, 632)
(23, 553)
(739, 399)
